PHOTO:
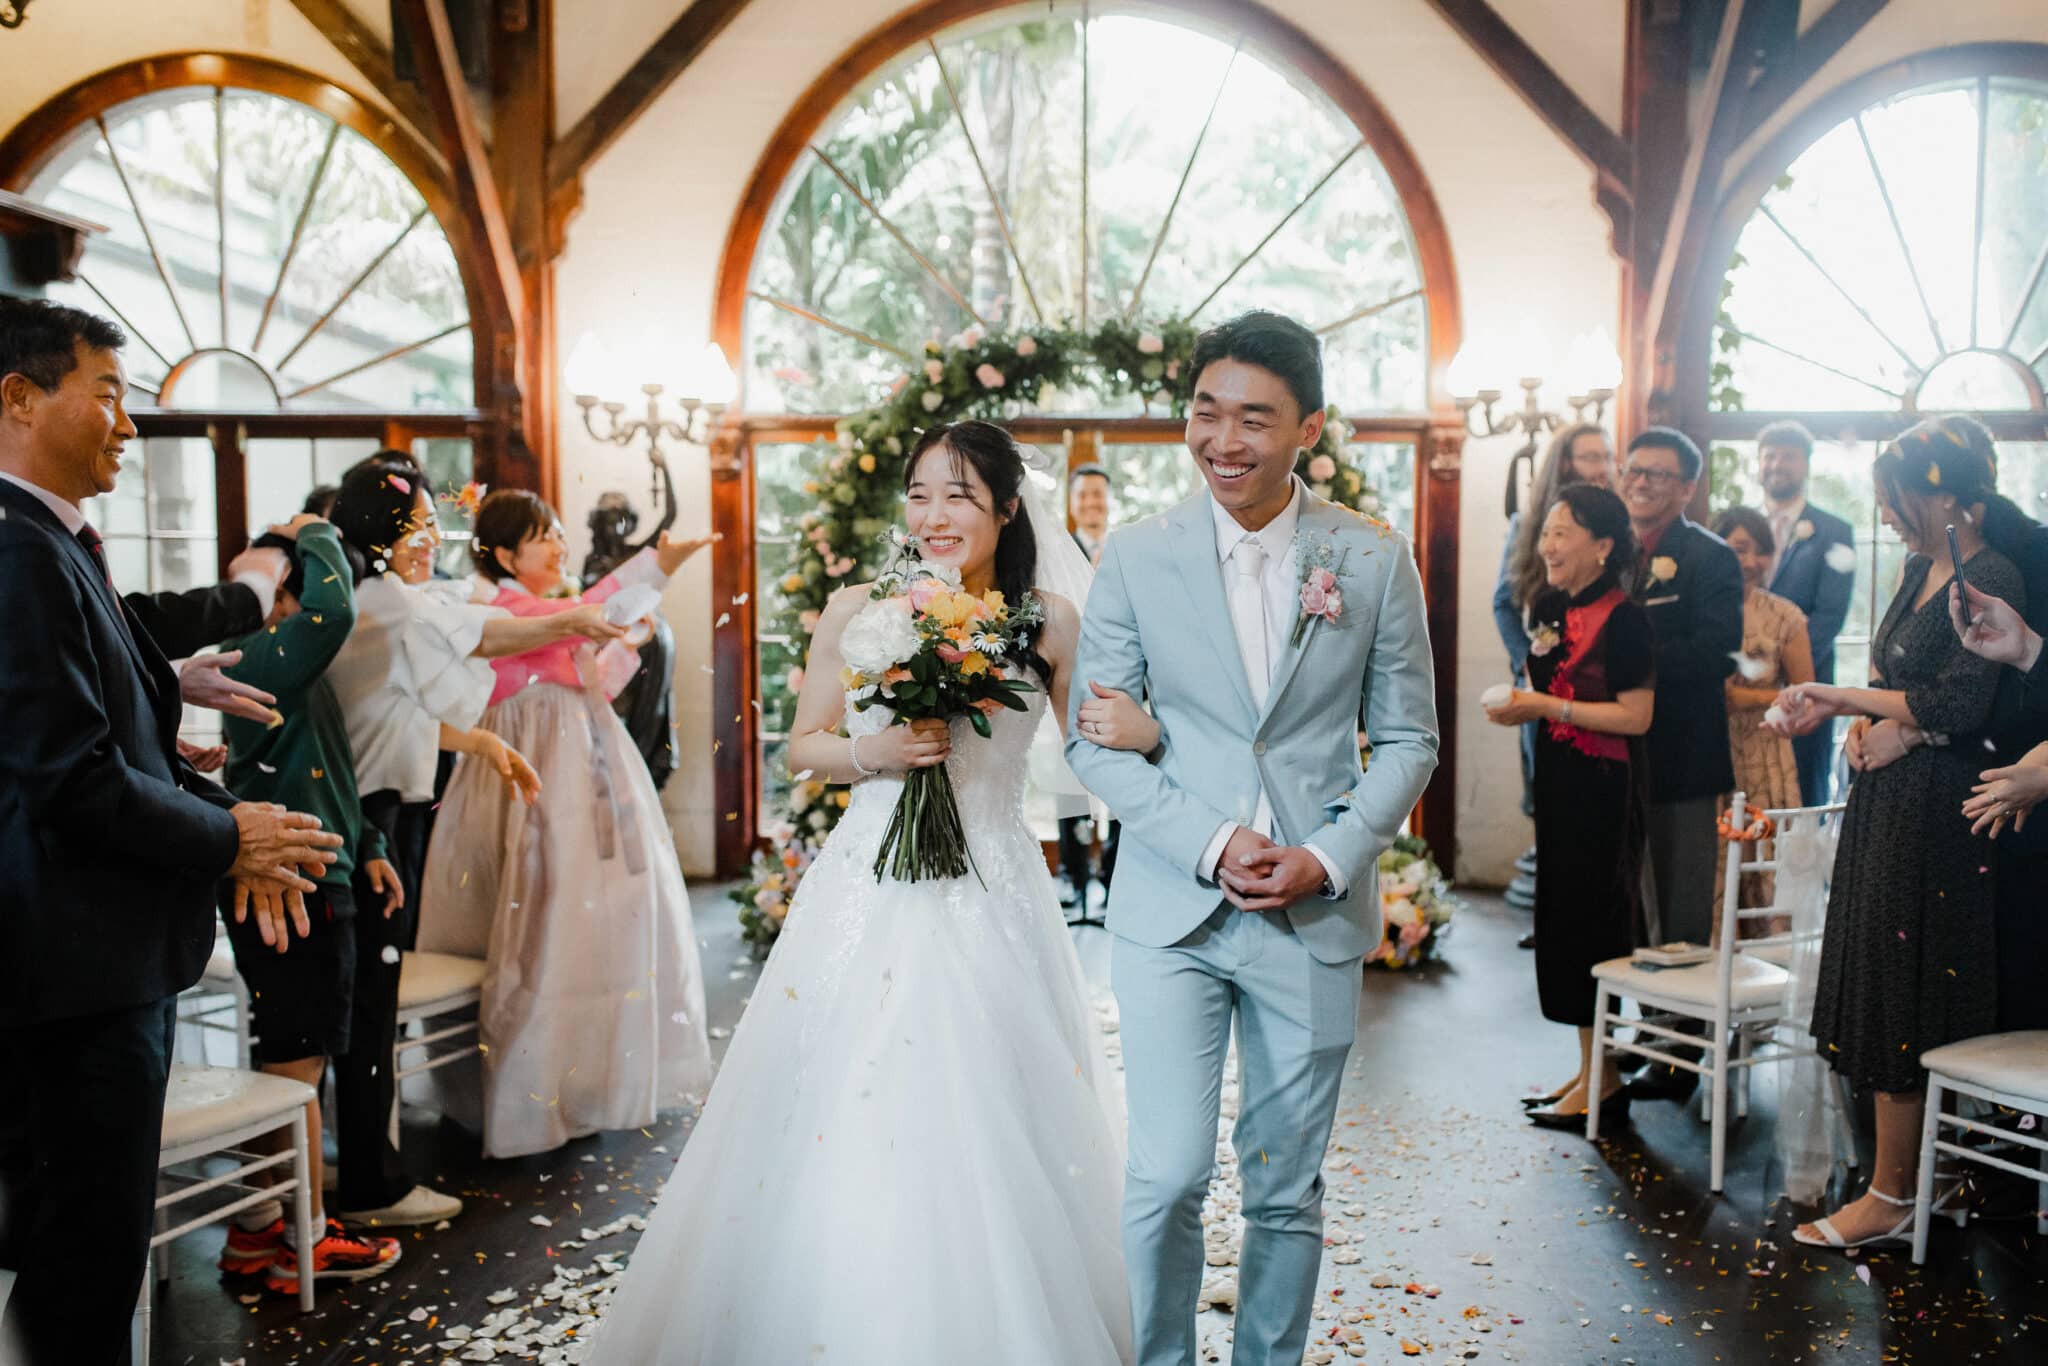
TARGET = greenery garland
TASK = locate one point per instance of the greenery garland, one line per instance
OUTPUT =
(857, 484)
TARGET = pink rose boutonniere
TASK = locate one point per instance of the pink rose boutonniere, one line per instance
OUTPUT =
(1321, 597)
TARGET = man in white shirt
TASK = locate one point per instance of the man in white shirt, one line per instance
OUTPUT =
(1260, 622)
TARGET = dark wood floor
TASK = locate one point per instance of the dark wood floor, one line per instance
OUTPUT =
(1542, 1249)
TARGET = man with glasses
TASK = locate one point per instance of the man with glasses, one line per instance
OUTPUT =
(1691, 584)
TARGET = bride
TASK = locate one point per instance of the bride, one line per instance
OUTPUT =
(909, 1157)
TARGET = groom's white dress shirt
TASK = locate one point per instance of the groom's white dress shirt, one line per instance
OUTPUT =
(1258, 582)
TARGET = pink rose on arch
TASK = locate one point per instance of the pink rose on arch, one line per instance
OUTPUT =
(1322, 469)
(1173, 369)
(1150, 344)
(934, 370)
(989, 376)
(1027, 345)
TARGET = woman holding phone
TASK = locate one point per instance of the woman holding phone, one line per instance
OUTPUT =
(1908, 959)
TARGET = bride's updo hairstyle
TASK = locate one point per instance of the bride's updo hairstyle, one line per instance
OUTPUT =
(994, 455)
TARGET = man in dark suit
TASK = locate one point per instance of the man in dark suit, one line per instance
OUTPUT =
(1088, 489)
(112, 847)
(1810, 572)
(1691, 584)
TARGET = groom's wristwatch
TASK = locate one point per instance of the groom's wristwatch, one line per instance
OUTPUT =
(1328, 891)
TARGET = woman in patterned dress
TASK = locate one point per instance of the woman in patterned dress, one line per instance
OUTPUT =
(1908, 961)
(1776, 653)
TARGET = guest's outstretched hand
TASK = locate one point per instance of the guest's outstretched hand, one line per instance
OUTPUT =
(1995, 631)
(671, 554)
(201, 683)
(1801, 708)
(279, 910)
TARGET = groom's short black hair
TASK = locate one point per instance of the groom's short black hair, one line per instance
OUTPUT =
(1270, 341)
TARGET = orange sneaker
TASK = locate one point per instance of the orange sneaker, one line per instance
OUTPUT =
(339, 1256)
(250, 1254)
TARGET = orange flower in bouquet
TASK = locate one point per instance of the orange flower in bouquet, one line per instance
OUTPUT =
(925, 647)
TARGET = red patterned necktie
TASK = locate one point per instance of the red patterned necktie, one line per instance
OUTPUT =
(97, 548)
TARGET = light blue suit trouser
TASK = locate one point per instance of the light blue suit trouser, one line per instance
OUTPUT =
(1296, 1018)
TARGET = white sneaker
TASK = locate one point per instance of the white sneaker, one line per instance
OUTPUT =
(420, 1205)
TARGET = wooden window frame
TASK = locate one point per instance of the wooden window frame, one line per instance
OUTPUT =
(29, 145)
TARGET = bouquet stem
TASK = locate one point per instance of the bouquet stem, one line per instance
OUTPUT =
(924, 838)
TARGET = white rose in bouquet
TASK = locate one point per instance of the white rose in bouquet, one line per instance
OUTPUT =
(880, 636)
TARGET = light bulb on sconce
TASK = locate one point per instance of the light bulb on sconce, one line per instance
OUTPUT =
(1478, 377)
(705, 387)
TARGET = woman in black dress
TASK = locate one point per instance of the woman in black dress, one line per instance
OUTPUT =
(1591, 671)
(1908, 960)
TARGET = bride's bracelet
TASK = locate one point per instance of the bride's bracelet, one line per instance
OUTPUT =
(853, 753)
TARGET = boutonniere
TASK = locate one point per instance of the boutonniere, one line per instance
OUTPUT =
(1663, 569)
(1803, 531)
(1544, 639)
(1320, 561)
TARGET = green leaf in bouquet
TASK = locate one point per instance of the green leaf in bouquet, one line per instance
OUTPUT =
(979, 720)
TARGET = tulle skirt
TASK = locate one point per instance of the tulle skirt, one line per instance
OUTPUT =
(593, 1001)
(912, 1154)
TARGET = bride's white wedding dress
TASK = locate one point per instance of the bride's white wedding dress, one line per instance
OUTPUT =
(912, 1155)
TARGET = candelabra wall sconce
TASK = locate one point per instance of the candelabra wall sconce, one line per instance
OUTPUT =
(705, 388)
(1592, 371)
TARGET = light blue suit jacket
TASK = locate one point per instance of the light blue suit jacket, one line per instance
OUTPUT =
(1158, 626)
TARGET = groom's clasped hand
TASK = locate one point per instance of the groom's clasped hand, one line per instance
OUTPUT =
(1259, 875)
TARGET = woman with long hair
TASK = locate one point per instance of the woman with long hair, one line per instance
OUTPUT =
(918, 1083)
(1591, 697)
(412, 678)
(1908, 960)
(593, 998)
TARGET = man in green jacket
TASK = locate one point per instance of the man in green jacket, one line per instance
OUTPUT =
(300, 1001)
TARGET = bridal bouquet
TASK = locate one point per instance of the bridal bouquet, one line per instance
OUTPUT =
(1416, 905)
(924, 647)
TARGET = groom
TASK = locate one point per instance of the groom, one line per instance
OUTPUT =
(1247, 887)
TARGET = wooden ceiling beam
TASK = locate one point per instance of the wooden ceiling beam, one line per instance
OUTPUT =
(1555, 102)
(353, 39)
(1816, 48)
(483, 236)
(655, 71)
(1717, 113)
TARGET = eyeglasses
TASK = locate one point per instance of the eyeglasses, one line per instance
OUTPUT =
(1632, 472)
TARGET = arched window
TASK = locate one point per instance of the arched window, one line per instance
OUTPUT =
(1893, 266)
(1009, 167)
(291, 299)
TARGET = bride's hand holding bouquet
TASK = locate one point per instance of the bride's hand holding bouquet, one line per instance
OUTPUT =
(930, 651)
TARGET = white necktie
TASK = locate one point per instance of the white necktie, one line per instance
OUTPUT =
(1248, 615)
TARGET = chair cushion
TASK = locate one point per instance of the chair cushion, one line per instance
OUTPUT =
(219, 1100)
(220, 969)
(2016, 1063)
(425, 978)
(1781, 954)
(1752, 982)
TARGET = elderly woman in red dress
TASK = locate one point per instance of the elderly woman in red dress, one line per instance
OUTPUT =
(593, 1000)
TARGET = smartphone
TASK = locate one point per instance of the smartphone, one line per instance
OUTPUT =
(1955, 557)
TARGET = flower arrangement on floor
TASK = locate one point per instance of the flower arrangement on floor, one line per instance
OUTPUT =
(1416, 905)
(858, 481)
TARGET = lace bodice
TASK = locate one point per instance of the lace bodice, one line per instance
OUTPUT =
(989, 775)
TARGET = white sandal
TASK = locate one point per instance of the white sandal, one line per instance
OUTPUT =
(1830, 1237)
